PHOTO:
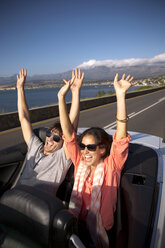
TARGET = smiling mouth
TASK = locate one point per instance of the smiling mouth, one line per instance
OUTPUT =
(87, 158)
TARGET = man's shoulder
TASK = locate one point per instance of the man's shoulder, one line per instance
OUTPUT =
(59, 152)
(34, 142)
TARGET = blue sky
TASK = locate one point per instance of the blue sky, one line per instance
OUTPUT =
(47, 36)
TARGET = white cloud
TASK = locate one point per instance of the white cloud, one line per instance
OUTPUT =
(124, 62)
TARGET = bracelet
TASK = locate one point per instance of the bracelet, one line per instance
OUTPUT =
(124, 120)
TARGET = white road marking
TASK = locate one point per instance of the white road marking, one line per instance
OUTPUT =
(131, 114)
(161, 99)
(139, 112)
(113, 124)
(109, 125)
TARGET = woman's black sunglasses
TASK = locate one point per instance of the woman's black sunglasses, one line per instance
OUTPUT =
(55, 137)
(90, 147)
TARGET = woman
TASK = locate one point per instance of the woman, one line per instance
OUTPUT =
(97, 167)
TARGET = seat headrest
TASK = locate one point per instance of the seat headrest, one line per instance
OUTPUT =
(41, 133)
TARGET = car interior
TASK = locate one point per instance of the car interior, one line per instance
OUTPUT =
(30, 217)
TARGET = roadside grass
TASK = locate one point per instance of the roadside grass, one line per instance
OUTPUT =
(102, 93)
(145, 87)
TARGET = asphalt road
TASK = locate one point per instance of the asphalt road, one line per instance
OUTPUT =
(146, 114)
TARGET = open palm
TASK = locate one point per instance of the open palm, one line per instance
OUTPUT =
(124, 84)
(63, 91)
(78, 79)
(21, 78)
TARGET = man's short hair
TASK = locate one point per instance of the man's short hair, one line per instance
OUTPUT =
(56, 125)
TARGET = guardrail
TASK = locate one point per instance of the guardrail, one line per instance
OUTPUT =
(10, 120)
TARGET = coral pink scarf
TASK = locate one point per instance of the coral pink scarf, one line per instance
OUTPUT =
(94, 221)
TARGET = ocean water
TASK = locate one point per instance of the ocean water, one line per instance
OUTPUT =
(44, 96)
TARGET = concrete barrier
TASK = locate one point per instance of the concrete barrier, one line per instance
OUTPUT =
(10, 120)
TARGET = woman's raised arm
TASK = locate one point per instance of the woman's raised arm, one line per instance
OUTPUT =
(121, 88)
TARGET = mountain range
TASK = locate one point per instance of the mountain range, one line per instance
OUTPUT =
(97, 73)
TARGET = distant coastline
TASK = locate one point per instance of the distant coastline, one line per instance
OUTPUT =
(45, 84)
(39, 96)
(53, 85)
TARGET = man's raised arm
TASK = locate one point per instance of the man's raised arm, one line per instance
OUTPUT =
(23, 111)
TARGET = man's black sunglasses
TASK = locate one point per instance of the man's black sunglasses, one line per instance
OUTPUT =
(90, 147)
(55, 137)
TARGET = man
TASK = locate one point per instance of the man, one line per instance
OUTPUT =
(46, 164)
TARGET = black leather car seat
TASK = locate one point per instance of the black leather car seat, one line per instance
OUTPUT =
(32, 218)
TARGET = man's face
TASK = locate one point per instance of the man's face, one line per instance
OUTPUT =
(51, 145)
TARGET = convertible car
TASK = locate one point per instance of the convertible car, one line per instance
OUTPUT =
(32, 218)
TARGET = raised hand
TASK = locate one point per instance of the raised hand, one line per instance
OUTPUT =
(124, 84)
(21, 78)
(78, 79)
(63, 91)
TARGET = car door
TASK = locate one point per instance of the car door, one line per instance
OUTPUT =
(11, 162)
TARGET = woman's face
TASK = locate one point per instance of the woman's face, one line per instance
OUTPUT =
(91, 158)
